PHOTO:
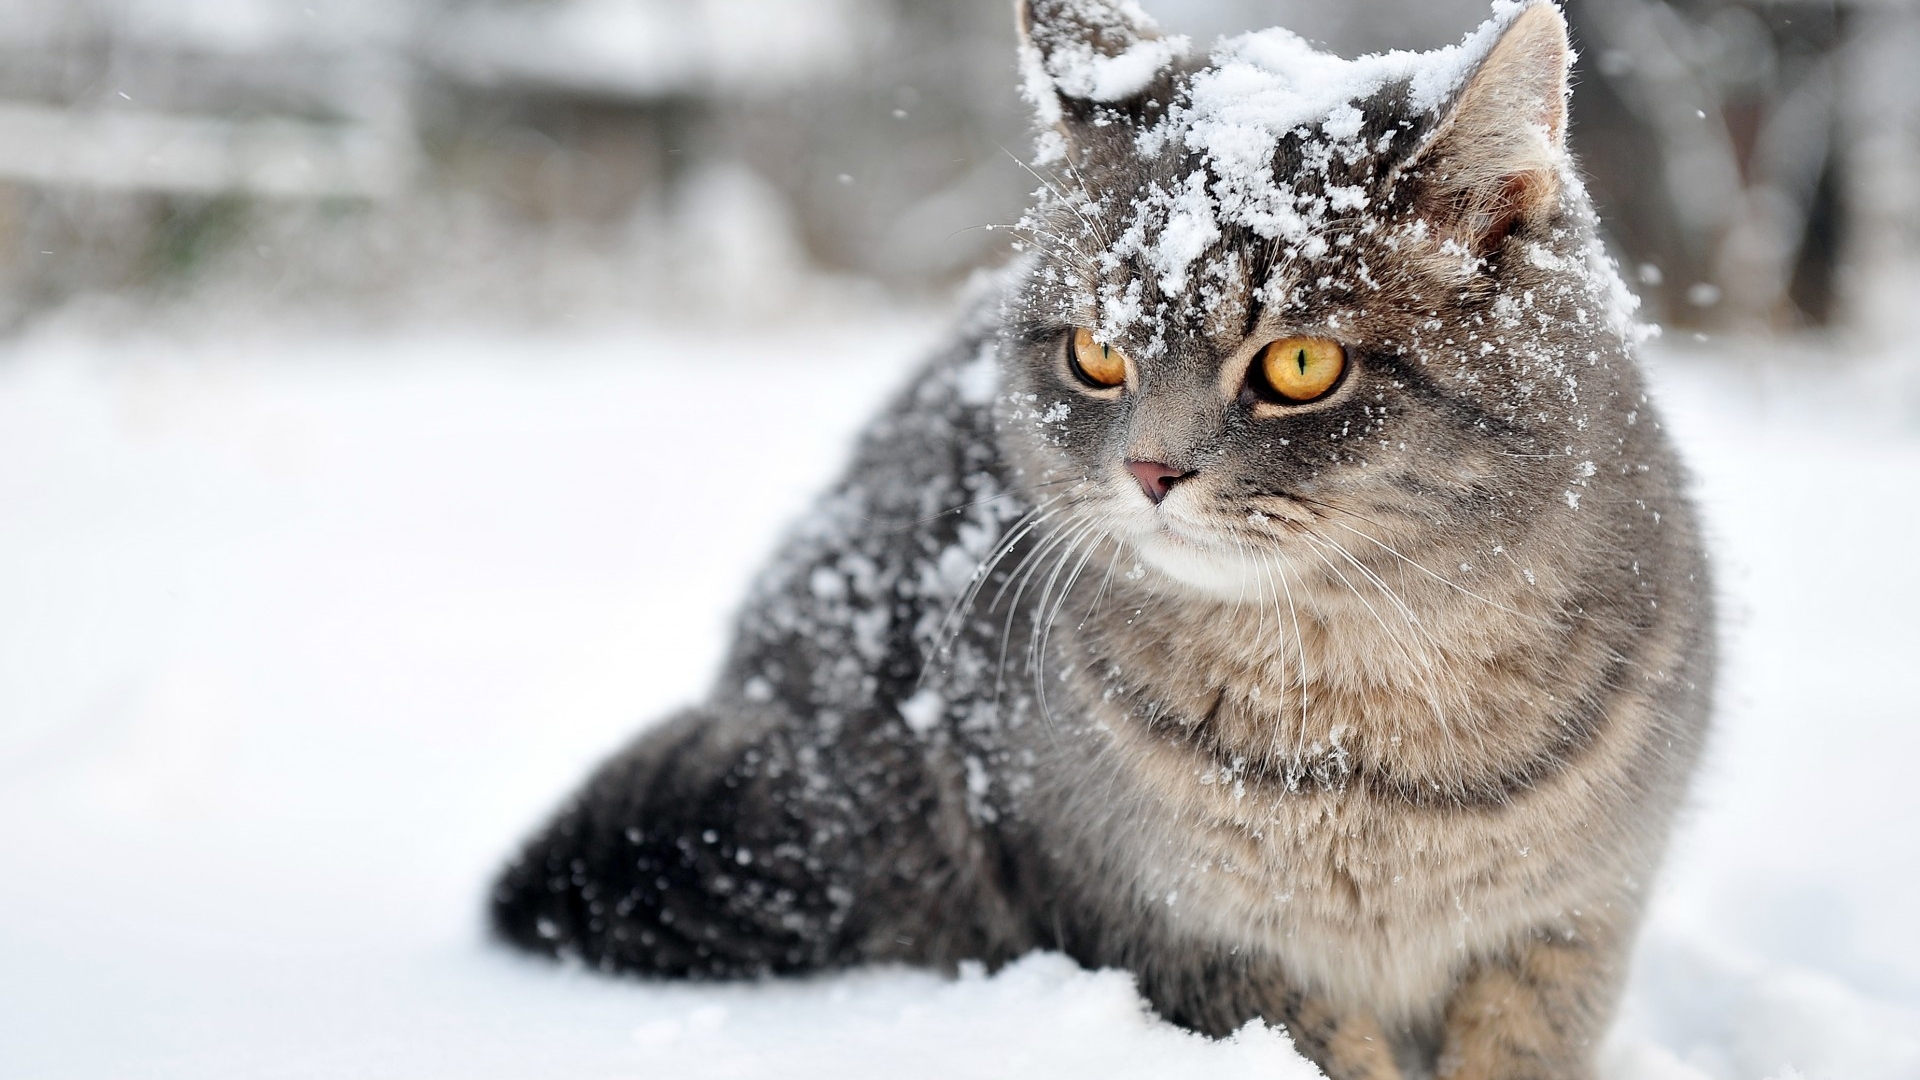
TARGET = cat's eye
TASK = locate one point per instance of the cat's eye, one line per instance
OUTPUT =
(1297, 370)
(1100, 366)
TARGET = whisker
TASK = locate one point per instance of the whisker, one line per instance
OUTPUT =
(1424, 662)
(961, 508)
(1106, 239)
(1106, 579)
(1022, 575)
(1040, 622)
(952, 621)
(1091, 223)
(1441, 578)
(1300, 645)
(1039, 656)
(1059, 246)
(1265, 562)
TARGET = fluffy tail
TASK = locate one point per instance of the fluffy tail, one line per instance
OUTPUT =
(735, 846)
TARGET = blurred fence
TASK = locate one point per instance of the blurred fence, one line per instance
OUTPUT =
(1755, 160)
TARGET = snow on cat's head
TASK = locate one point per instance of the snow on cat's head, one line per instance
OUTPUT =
(1270, 297)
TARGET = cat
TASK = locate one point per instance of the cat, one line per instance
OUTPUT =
(1280, 588)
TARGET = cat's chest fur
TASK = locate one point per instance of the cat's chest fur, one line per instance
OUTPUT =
(1371, 827)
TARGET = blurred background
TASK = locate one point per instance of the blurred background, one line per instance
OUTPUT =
(1757, 161)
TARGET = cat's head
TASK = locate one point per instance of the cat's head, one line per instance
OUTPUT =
(1271, 297)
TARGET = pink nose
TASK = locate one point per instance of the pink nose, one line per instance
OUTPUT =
(1156, 478)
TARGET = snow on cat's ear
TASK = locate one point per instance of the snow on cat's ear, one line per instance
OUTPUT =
(1494, 164)
(1091, 62)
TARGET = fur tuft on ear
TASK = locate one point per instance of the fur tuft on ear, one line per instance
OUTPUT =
(1078, 55)
(1494, 163)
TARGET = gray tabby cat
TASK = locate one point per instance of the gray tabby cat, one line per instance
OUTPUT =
(1282, 589)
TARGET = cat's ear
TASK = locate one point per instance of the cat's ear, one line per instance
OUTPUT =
(1494, 163)
(1090, 63)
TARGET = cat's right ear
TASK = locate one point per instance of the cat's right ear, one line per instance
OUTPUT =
(1495, 161)
(1092, 64)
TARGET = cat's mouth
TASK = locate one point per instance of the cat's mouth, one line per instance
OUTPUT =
(1184, 535)
(1199, 554)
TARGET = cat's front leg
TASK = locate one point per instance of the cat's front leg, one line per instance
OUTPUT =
(1538, 1013)
(1216, 994)
(1346, 1046)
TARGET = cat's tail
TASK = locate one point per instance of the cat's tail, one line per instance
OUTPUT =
(730, 846)
(674, 859)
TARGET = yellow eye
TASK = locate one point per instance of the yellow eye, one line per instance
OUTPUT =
(1299, 369)
(1097, 365)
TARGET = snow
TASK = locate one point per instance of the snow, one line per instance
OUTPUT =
(298, 635)
(1223, 130)
(1081, 72)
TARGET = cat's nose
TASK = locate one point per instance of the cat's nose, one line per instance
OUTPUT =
(1156, 478)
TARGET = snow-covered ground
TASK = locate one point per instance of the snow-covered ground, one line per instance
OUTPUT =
(298, 636)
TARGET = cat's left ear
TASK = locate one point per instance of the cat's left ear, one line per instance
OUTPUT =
(1090, 64)
(1494, 163)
